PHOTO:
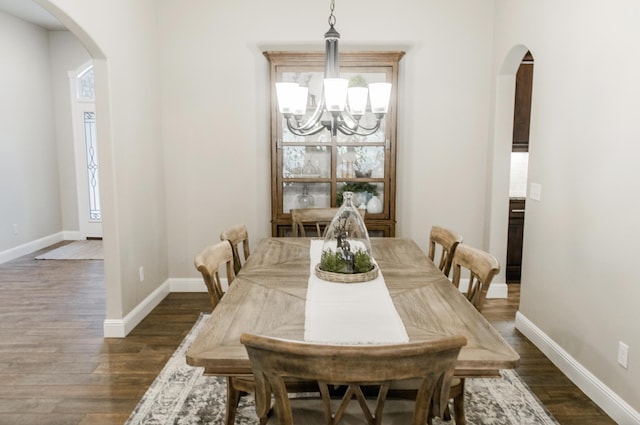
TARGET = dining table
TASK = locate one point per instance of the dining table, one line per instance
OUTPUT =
(269, 297)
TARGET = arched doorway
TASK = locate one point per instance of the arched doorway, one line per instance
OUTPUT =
(112, 262)
(519, 167)
(502, 150)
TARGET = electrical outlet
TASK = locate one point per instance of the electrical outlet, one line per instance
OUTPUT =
(14, 228)
(623, 354)
(141, 273)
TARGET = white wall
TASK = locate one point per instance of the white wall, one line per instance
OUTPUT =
(579, 283)
(67, 54)
(183, 136)
(121, 36)
(216, 109)
(28, 159)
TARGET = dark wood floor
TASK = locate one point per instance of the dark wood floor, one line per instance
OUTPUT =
(57, 369)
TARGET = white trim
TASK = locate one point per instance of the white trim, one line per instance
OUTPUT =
(619, 410)
(72, 236)
(194, 284)
(33, 246)
(496, 290)
(187, 285)
(29, 247)
(119, 328)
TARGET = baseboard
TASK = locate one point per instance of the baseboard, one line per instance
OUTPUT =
(496, 289)
(195, 284)
(619, 410)
(32, 246)
(73, 236)
(187, 285)
(120, 328)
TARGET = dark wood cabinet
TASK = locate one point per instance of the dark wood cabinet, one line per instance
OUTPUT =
(522, 106)
(314, 170)
(515, 239)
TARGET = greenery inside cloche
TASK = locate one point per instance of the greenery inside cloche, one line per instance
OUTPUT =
(346, 250)
(334, 262)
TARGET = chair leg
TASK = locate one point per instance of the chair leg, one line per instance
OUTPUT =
(233, 398)
(458, 406)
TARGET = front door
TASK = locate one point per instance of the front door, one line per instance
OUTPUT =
(86, 152)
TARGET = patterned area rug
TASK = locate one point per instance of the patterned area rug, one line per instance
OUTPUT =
(181, 395)
(77, 250)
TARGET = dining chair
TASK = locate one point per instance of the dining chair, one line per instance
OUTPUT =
(237, 235)
(482, 267)
(359, 368)
(208, 262)
(445, 241)
(318, 217)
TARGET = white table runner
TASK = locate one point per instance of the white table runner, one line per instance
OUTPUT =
(350, 313)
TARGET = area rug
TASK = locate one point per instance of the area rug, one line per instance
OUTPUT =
(181, 395)
(77, 250)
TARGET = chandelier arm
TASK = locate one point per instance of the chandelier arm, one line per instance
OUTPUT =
(359, 130)
(314, 119)
(354, 124)
(298, 131)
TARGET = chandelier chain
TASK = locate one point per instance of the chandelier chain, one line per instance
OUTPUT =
(332, 18)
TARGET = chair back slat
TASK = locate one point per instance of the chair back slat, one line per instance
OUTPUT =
(237, 235)
(208, 263)
(446, 241)
(482, 268)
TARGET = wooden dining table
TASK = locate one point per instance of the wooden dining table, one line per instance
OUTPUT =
(268, 297)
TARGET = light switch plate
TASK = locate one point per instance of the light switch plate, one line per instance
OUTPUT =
(623, 354)
(535, 191)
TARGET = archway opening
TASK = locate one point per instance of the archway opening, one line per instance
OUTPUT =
(99, 60)
(500, 160)
(519, 167)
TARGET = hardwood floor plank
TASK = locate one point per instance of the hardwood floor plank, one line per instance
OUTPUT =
(57, 369)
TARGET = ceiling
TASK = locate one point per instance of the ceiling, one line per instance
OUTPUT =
(30, 11)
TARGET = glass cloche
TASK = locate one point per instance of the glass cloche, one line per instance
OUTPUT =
(346, 251)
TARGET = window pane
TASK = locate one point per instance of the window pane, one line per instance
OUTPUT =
(306, 161)
(360, 162)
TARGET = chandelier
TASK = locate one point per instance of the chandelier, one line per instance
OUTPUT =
(340, 107)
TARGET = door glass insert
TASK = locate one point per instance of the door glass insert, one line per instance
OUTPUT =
(89, 121)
